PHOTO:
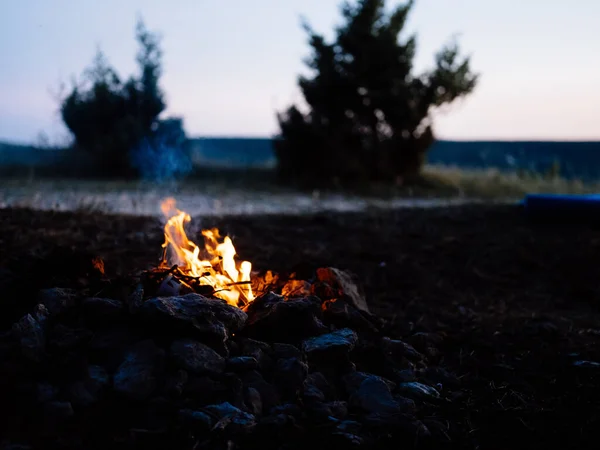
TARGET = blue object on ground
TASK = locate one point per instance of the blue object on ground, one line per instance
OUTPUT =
(563, 207)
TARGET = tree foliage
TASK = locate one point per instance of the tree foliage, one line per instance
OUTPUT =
(368, 114)
(109, 117)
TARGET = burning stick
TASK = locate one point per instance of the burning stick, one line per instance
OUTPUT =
(219, 270)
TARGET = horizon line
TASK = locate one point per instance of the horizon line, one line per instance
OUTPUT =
(7, 141)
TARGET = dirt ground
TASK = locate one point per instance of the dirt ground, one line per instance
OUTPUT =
(517, 303)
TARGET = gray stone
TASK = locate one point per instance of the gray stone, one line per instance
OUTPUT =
(30, 335)
(253, 401)
(587, 364)
(137, 376)
(197, 419)
(353, 380)
(286, 351)
(191, 309)
(275, 319)
(46, 392)
(57, 412)
(232, 418)
(87, 392)
(196, 357)
(419, 391)
(175, 384)
(289, 375)
(340, 341)
(57, 300)
(374, 396)
(242, 363)
(99, 309)
(397, 349)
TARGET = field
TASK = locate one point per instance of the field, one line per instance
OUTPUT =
(514, 304)
(226, 192)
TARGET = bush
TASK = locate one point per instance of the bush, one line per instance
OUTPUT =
(108, 117)
(368, 115)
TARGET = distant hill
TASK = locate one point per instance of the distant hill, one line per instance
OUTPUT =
(576, 159)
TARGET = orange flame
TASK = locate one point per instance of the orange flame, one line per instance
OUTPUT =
(231, 281)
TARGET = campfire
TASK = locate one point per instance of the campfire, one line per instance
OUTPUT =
(202, 352)
(213, 270)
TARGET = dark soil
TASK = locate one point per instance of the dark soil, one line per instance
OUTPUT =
(518, 303)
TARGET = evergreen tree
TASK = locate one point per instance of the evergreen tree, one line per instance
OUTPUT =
(369, 114)
(109, 117)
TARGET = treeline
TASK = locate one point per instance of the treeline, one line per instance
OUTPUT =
(368, 115)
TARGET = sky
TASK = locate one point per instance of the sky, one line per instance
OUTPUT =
(230, 64)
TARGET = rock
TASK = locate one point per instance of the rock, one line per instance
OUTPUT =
(30, 335)
(335, 283)
(57, 300)
(253, 401)
(203, 390)
(587, 364)
(439, 375)
(175, 384)
(112, 340)
(268, 393)
(102, 309)
(137, 376)
(135, 300)
(285, 351)
(418, 391)
(242, 363)
(289, 376)
(423, 341)
(272, 318)
(235, 390)
(397, 349)
(311, 394)
(196, 419)
(80, 395)
(193, 310)
(438, 428)
(341, 313)
(346, 440)
(196, 357)
(374, 396)
(97, 377)
(257, 350)
(41, 314)
(62, 337)
(288, 409)
(108, 347)
(231, 418)
(46, 392)
(319, 413)
(405, 375)
(332, 345)
(353, 380)
(349, 426)
(401, 425)
(318, 380)
(338, 409)
(86, 392)
(56, 412)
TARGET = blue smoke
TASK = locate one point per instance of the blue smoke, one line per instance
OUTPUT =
(162, 157)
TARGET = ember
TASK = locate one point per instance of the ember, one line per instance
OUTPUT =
(229, 280)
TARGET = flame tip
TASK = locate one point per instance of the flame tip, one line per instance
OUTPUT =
(220, 270)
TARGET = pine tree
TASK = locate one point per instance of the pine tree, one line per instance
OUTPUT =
(108, 117)
(369, 116)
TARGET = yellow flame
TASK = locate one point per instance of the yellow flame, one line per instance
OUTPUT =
(230, 281)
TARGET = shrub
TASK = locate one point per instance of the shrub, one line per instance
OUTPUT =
(368, 114)
(108, 117)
